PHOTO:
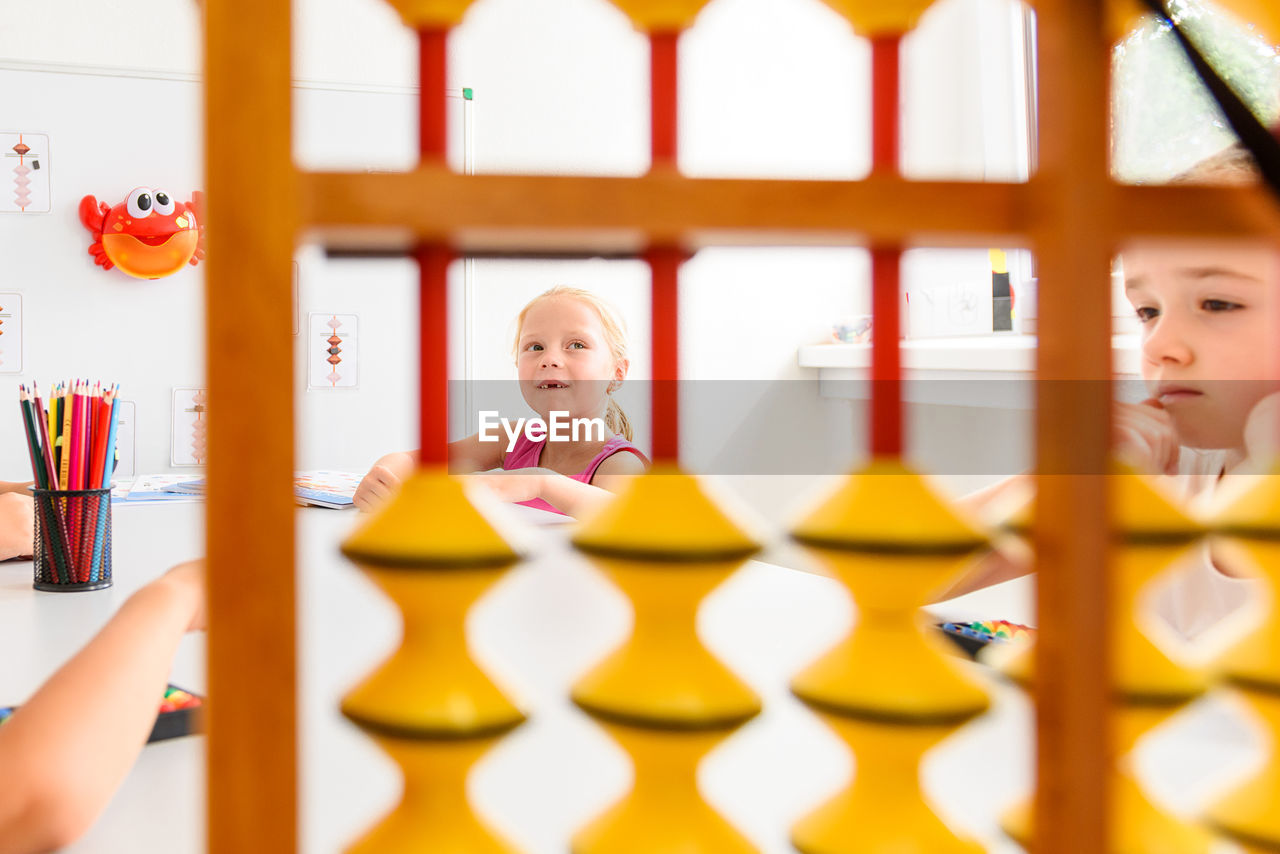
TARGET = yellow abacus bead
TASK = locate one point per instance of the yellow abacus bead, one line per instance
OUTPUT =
(883, 809)
(656, 16)
(666, 544)
(429, 523)
(1248, 813)
(1123, 17)
(434, 813)
(891, 667)
(1262, 14)
(881, 17)
(421, 14)
(888, 507)
(665, 516)
(666, 785)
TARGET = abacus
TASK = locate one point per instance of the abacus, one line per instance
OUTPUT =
(667, 706)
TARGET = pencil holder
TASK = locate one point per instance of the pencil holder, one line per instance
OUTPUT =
(73, 539)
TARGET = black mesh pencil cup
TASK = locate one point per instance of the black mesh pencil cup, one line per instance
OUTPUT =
(73, 539)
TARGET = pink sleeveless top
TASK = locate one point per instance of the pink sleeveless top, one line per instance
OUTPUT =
(526, 454)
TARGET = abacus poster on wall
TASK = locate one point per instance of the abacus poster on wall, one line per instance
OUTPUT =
(10, 333)
(189, 443)
(331, 351)
(24, 173)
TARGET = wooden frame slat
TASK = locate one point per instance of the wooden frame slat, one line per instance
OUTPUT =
(546, 214)
(1072, 433)
(252, 754)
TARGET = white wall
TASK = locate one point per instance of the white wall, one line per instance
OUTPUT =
(79, 320)
(149, 335)
(769, 87)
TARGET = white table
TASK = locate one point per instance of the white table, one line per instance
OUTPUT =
(537, 631)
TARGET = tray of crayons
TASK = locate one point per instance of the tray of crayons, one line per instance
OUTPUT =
(973, 637)
(179, 714)
(71, 445)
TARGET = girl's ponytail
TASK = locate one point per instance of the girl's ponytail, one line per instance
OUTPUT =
(616, 420)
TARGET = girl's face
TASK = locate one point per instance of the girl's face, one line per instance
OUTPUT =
(1207, 316)
(563, 359)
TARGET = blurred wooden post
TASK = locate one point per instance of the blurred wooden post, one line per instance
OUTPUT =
(252, 219)
(1073, 249)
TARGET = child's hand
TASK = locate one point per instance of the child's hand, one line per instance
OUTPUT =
(1144, 437)
(513, 484)
(17, 525)
(187, 580)
(1260, 436)
(376, 488)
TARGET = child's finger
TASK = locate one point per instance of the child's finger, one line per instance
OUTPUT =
(1149, 444)
(370, 493)
(1161, 441)
(1132, 446)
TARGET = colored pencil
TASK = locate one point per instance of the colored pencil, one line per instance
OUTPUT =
(51, 471)
(41, 475)
(108, 429)
(87, 513)
(57, 531)
(109, 463)
(33, 444)
(52, 427)
(64, 433)
(79, 411)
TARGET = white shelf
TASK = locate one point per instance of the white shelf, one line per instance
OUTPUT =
(996, 354)
(934, 368)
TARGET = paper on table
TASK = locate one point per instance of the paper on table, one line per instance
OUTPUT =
(150, 489)
(333, 489)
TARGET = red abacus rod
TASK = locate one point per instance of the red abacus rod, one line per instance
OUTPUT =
(886, 355)
(664, 97)
(433, 374)
(885, 72)
(433, 67)
(433, 259)
(664, 263)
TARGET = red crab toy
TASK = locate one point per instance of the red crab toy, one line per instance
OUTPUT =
(148, 235)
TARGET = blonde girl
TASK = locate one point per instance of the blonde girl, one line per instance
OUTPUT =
(571, 357)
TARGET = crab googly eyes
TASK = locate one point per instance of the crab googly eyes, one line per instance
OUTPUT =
(140, 203)
(163, 203)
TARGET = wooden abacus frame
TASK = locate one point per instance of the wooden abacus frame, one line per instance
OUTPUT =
(259, 205)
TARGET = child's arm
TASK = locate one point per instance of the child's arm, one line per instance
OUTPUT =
(17, 525)
(470, 454)
(979, 503)
(386, 475)
(989, 503)
(1143, 435)
(66, 750)
(562, 492)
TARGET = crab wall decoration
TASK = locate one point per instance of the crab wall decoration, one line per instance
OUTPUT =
(148, 235)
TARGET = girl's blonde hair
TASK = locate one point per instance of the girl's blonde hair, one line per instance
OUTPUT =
(615, 336)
